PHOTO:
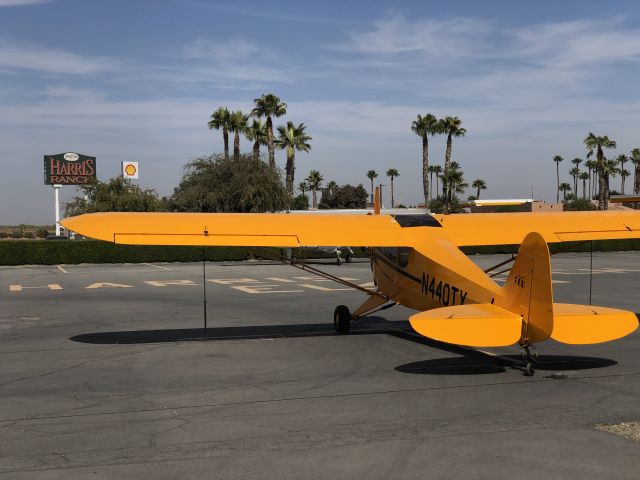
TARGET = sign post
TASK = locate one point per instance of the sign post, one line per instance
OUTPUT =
(56, 189)
(67, 169)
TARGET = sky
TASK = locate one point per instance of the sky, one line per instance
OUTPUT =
(137, 80)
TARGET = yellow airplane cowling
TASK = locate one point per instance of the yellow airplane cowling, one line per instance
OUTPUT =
(475, 325)
(586, 324)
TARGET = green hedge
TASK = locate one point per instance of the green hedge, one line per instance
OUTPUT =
(48, 252)
(53, 252)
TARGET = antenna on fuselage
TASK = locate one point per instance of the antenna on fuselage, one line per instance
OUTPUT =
(376, 201)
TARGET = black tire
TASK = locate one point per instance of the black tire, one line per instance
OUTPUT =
(342, 319)
(348, 258)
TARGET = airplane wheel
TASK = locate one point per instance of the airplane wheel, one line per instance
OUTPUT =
(348, 258)
(529, 370)
(342, 319)
(339, 261)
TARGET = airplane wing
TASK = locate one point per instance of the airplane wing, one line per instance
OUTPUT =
(511, 228)
(298, 230)
(240, 229)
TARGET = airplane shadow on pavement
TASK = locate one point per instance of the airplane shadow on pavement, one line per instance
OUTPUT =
(468, 361)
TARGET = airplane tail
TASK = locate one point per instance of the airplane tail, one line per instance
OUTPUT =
(525, 313)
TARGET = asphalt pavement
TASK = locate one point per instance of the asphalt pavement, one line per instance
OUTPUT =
(106, 372)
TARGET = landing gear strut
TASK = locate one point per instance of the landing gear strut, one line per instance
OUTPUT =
(529, 359)
(342, 319)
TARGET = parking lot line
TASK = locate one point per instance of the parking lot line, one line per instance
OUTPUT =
(156, 266)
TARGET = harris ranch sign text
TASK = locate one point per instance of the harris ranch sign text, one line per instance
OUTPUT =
(69, 169)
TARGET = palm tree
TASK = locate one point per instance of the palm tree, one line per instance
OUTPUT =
(425, 126)
(479, 185)
(371, 174)
(455, 181)
(592, 166)
(292, 138)
(303, 186)
(331, 186)
(392, 173)
(558, 159)
(635, 158)
(237, 125)
(574, 172)
(256, 133)
(564, 188)
(622, 158)
(314, 180)
(452, 126)
(584, 176)
(609, 169)
(220, 120)
(437, 169)
(595, 143)
(269, 105)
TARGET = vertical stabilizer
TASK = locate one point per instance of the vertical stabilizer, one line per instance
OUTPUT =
(528, 290)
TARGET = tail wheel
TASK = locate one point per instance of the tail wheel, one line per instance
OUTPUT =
(342, 319)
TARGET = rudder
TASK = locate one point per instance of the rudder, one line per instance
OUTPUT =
(528, 290)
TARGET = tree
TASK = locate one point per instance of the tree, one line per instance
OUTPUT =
(597, 143)
(292, 138)
(300, 202)
(425, 126)
(622, 159)
(269, 105)
(635, 158)
(452, 127)
(346, 196)
(220, 120)
(115, 195)
(256, 133)
(303, 186)
(576, 171)
(455, 182)
(371, 175)
(331, 186)
(479, 184)
(592, 166)
(558, 159)
(437, 169)
(219, 184)
(609, 169)
(237, 125)
(392, 173)
(584, 176)
(314, 180)
(564, 188)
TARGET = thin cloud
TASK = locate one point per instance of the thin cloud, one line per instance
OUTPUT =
(22, 3)
(26, 57)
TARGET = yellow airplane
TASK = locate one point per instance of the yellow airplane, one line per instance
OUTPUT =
(416, 262)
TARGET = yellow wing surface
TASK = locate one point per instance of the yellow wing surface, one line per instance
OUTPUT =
(240, 229)
(294, 230)
(512, 228)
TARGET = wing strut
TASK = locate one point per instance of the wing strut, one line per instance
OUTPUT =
(271, 255)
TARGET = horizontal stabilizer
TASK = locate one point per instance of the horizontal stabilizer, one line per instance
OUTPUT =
(585, 324)
(477, 325)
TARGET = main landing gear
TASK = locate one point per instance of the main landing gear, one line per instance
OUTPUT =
(342, 319)
(529, 359)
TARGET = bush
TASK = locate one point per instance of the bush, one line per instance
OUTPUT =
(42, 232)
(43, 252)
(29, 235)
(301, 202)
(16, 234)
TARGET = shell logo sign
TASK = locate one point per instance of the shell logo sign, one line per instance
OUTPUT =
(130, 170)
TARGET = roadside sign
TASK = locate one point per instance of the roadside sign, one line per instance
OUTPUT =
(130, 170)
(69, 169)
